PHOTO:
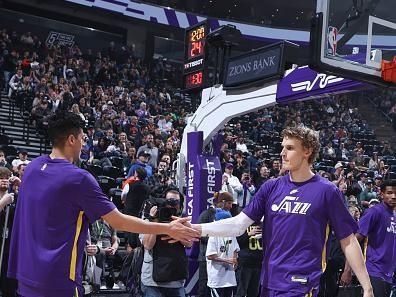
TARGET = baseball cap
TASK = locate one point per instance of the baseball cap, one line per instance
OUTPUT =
(369, 181)
(338, 165)
(110, 102)
(374, 201)
(229, 165)
(144, 153)
(379, 176)
(222, 214)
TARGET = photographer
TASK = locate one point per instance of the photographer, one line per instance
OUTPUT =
(165, 265)
(7, 286)
(162, 176)
(248, 190)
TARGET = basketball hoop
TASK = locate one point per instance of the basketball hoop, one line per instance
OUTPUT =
(388, 70)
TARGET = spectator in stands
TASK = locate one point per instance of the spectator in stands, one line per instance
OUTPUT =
(368, 194)
(3, 161)
(101, 155)
(87, 153)
(5, 197)
(161, 177)
(241, 145)
(254, 159)
(106, 240)
(152, 149)
(221, 255)
(21, 170)
(165, 265)
(352, 168)
(276, 168)
(241, 164)
(129, 159)
(8, 286)
(373, 162)
(142, 161)
(123, 144)
(248, 190)
(338, 175)
(15, 83)
(76, 109)
(264, 175)
(329, 152)
(387, 150)
(231, 183)
(9, 66)
(22, 159)
(142, 113)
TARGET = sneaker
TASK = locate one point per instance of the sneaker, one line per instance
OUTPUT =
(116, 287)
(121, 285)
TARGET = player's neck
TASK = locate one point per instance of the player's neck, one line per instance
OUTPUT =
(61, 154)
(301, 175)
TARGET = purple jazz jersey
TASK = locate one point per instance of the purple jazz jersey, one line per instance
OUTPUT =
(297, 220)
(378, 225)
(56, 203)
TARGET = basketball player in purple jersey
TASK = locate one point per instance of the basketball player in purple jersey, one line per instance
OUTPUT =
(377, 232)
(56, 203)
(299, 210)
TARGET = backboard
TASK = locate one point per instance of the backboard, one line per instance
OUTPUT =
(352, 37)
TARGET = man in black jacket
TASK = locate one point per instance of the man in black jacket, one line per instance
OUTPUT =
(221, 200)
(138, 193)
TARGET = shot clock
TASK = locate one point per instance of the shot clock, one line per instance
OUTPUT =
(194, 80)
(196, 42)
(195, 56)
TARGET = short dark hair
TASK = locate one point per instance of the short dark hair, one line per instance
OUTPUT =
(141, 173)
(5, 172)
(387, 183)
(62, 125)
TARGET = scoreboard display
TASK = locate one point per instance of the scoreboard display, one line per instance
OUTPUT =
(195, 56)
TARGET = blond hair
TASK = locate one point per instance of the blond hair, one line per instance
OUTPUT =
(309, 139)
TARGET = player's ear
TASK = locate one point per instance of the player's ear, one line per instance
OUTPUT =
(307, 152)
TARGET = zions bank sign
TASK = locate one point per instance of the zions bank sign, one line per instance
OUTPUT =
(259, 65)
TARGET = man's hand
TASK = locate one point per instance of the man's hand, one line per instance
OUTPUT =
(346, 278)
(8, 198)
(14, 180)
(110, 251)
(91, 249)
(180, 230)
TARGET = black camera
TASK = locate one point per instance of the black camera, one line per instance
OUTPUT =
(166, 208)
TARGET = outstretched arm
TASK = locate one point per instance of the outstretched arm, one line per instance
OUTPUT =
(231, 227)
(175, 229)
